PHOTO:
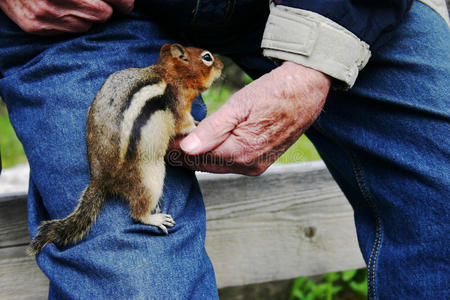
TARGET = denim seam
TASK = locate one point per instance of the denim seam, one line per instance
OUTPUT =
(371, 266)
(360, 180)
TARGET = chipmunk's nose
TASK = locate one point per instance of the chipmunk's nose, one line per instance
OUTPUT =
(218, 63)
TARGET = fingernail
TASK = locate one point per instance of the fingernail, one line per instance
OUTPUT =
(190, 143)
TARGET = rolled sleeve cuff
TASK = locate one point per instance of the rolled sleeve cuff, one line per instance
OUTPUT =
(309, 39)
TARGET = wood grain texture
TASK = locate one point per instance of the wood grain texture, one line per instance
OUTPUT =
(20, 277)
(13, 221)
(291, 221)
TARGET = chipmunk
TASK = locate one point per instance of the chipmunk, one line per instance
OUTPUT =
(130, 123)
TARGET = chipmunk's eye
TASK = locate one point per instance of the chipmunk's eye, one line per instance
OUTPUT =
(207, 58)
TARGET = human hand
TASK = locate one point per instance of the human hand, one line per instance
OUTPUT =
(51, 17)
(256, 125)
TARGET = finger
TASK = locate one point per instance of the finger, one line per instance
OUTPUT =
(43, 18)
(52, 18)
(208, 162)
(174, 143)
(94, 11)
(55, 28)
(124, 6)
(238, 148)
(211, 132)
(65, 24)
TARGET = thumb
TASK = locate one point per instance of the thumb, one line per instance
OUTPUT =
(211, 132)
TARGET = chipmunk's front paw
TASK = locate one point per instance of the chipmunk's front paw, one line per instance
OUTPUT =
(188, 129)
(162, 221)
(187, 126)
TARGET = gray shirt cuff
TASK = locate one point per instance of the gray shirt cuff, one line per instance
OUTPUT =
(309, 39)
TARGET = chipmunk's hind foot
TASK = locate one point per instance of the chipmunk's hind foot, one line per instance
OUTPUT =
(162, 221)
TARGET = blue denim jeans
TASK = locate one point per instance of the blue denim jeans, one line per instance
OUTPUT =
(386, 142)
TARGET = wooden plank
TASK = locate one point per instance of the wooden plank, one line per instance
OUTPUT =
(20, 278)
(13, 221)
(291, 221)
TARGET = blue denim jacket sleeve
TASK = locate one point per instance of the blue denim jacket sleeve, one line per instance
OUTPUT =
(369, 20)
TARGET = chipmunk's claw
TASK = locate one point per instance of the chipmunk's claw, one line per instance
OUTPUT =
(162, 221)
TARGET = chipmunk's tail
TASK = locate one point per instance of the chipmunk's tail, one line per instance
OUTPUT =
(73, 228)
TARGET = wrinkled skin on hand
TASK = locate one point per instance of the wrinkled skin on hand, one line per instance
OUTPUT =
(52, 17)
(256, 125)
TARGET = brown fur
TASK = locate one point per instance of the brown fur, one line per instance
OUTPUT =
(129, 125)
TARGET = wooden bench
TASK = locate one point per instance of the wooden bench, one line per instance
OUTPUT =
(291, 221)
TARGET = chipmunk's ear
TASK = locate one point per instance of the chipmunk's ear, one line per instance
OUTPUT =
(164, 49)
(179, 52)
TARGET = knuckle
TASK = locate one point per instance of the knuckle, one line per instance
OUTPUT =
(40, 9)
(97, 11)
(105, 13)
(73, 24)
(32, 27)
